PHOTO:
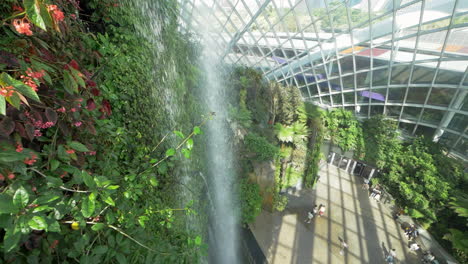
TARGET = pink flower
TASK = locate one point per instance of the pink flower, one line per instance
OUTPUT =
(22, 26)
(38, 124)
(2, 178)
(70, 151)
(47, 124)
(36, 75)
(91, 153)
(73, 110)
(62, 110)
(56, 13)
(29, 82)
(77, 124)
(11, 176)
(19, 148)
(7, 91)
(37, 133)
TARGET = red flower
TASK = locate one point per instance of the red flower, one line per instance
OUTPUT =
(74, 64)
(11, 176)
(95, 92)
(29, 82)
(37, 133)
(106, 107)
(17, 8)
(19, 148)
(73, 110)
(29, 161)
(7, 91)
(90, 105)
(22, 26)
(54, 244)
(36, 75)
(70, 151)
(2, 178)
(56, 13)
(91, 83)
(63, 174)
(61, 109)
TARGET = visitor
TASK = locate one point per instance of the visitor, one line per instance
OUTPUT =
(428, 257)
(311, 215)
(343, 246)
(321, 210)
(414, 247)
(391, 256)
(375, 191)
(377, 197)
(414, 234)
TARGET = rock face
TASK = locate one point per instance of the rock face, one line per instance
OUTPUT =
(264, 176)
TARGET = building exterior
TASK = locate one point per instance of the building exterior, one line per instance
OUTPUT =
(407, 59)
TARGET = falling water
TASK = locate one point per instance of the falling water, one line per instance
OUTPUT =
(221, 175)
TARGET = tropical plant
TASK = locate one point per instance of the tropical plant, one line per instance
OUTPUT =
(260, 146)
(250, 201)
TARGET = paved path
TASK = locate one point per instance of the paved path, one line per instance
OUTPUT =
(364, 224)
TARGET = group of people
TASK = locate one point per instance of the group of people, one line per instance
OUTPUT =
(320, 210)
(411, 232)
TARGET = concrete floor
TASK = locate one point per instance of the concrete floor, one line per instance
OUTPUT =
(363, 223)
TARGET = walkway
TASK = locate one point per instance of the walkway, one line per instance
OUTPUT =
(364, 224)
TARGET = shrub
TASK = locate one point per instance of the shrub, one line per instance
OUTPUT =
(251, 201)
(259, 145)
(279, 202)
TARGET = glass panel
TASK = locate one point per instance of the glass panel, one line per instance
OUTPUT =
(362, 62)
(313, 89)
(449, 77)
(441, 96)
(422, 75)
(406, 128)
(462, 147)
(362, 110)
(417, 95)
(337, 100)
(378, 95)
(304, 92)
(362, 79)
(400, 74)
(349, 98)
(347, 64)
(448, 139)
(393, 111)
(326, 100)
(458, 123)
(348, 82)
(464, 107)
(396, 95)
(377, 109)
(427, 132)
(432, 116)
(380, 77)
(411, 113)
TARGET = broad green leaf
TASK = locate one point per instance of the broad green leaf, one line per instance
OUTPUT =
(21, 197)
(88, 179)
(11, 239)
(170, 152)
(153, 181)
(112, 187)
(190, 143)
(121, 258)
(53, 182)
(54, 226)
(2, 106)
(88, 205)
(46, 16)
(37, 223)
(197, 130)
(24, 89)
(70, 84)
(108, 200)
(198, 240)
(179, 134)
(33, 10)
(153, 161)
(54, 164)
(101, 249)
(78, 146)
(98, 226)
(76, 74)
(47, 198)
(42, 208)
(14, 100)
(11, 156)
(6, 205)
(186, 153)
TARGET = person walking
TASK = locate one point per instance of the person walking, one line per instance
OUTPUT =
(311, 214)
(344, 245)
(414, 247)
(321, 210)
(391, 256)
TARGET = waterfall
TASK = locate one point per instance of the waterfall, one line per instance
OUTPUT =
(221, 172)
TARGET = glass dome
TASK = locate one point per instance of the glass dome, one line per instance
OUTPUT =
(405, 59)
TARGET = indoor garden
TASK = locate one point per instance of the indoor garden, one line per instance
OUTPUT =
(210, 131)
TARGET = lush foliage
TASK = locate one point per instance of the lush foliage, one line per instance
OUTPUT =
(343, 128)
(260, 146)
(83, 165)
(251, 201)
